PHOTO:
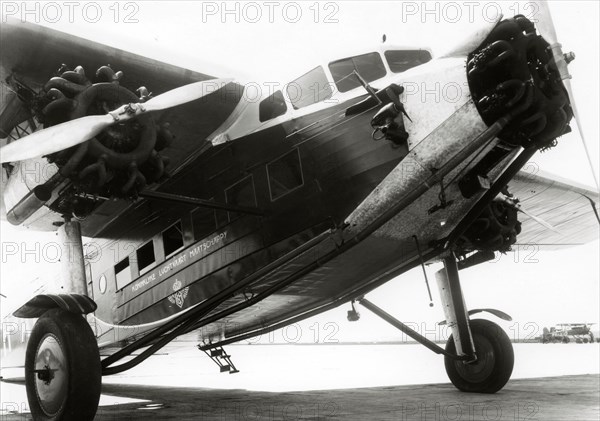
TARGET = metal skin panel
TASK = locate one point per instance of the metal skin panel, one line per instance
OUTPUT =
(459, 129)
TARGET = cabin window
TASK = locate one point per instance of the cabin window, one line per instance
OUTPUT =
(272, 107)
(402, 60)
(309, 88)
(145, 257)
(285, 174)
(241, 194)
(369, 66)
(204, 221)
(123, 273)
(172, 239)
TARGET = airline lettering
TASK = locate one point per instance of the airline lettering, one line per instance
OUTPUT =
(195, 253)
(207, 244)
(147, 280)
(173, 264)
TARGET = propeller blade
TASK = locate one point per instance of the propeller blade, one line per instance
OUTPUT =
(538, 220)
(185, 94)
(513, 203)
(567, 84)
(545, 24)
(55, 138)
(74, 132)
(546, 28)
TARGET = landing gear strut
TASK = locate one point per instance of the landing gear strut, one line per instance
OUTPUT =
(479, 355)
(63, 372)
(487, 348)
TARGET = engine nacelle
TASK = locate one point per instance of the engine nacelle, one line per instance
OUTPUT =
(117, 163)
(495, 229)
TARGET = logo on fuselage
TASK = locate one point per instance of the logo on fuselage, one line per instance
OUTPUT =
(179, 296)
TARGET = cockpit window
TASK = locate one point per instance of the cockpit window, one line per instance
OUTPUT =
(402, 60)
(271, 107)
(309, 88)
(369, 66)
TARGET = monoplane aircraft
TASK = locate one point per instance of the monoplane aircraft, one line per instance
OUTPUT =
(211, 211)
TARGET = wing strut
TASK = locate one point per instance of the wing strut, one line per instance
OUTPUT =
(149, 194)
(408, 331)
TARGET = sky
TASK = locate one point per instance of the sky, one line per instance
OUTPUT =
(278, 41)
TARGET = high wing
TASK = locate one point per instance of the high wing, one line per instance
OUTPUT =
(571, 208)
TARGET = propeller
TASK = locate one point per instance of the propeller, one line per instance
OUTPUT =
(537, 219)
(546, 28)
(514, 203)
(74, 132)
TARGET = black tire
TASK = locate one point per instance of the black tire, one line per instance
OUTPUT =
(495, 360)
(62, 339)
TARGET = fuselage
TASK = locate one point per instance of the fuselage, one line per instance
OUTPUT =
(335, 212)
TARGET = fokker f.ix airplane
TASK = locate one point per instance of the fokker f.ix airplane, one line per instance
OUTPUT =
(238, 217)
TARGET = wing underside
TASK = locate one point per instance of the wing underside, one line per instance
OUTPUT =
(570, 208)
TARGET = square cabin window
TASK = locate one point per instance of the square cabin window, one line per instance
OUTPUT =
(172, 239)
(369, 66)
(145, 257)
(285, 174)
(204, 222)
(309, 88)
(402, 60)
(271, 107)
(241, 194)
(123, 273)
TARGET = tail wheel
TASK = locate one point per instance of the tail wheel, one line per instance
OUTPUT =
(495, 360)
(62, 368)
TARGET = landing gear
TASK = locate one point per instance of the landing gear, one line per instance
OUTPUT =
(62, 368)
(494, 364)
(478, 356)
(487, 352)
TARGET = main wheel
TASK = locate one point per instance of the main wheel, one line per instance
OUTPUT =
(495, 360)
(62, 368)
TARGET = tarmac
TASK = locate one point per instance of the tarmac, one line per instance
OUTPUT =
(574, 397)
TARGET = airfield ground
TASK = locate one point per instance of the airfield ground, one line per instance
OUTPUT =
(549, 398)
(377, 382)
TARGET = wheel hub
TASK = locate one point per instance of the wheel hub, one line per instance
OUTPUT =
(51, 384)
(481, 369)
